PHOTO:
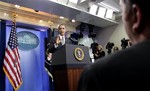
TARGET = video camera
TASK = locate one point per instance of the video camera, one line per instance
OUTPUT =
(124, 43)
(109, 46)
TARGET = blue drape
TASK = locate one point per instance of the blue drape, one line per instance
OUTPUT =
(35, 78)
(2, 52)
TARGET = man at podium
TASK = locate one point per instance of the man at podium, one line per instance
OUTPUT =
(59, 40)
(55, 45)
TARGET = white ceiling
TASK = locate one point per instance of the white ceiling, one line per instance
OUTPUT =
(79, 14)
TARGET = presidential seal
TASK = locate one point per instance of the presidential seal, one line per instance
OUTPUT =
(79, 54)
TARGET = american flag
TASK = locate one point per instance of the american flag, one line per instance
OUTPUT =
(11, 65)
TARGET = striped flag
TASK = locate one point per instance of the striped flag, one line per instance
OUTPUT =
(11, 65)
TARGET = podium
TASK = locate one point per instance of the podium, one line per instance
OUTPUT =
(67, 67)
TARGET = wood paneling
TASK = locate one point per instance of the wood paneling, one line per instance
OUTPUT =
(67, 79)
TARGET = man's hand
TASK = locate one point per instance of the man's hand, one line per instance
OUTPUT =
(49, 56)
(57, 40)
(95, 54)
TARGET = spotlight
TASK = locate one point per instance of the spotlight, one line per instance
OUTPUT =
(92, 34)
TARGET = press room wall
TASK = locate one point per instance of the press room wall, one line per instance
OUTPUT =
(112, 34)
(35, 77)
(109, 34)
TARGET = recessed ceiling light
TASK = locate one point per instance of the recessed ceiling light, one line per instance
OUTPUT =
(41, 20)
(61, 17)
(17, 6)
(5, 14)
(73, 20)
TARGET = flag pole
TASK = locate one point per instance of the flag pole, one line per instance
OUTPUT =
(14, 21)
(11, 65)
(14, 17)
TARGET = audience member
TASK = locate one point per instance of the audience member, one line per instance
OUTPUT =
(98, 53)
(128, 69)
(115, 49)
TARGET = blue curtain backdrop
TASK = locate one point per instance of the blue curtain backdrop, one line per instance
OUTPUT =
(2, 52)
(35, 78)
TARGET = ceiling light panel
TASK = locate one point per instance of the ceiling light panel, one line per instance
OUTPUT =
(93, 9)
(108, 6)
(101, 12)
(109, 14)
(73, 1)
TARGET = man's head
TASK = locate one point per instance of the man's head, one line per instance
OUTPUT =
(99, 47)
(115, 49)
(62, 29)
(136, 19)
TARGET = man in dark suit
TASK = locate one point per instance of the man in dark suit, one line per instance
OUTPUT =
(55, 43)
(128, 69)
(58, 41)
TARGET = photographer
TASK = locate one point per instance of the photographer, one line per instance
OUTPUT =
(98, 53)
